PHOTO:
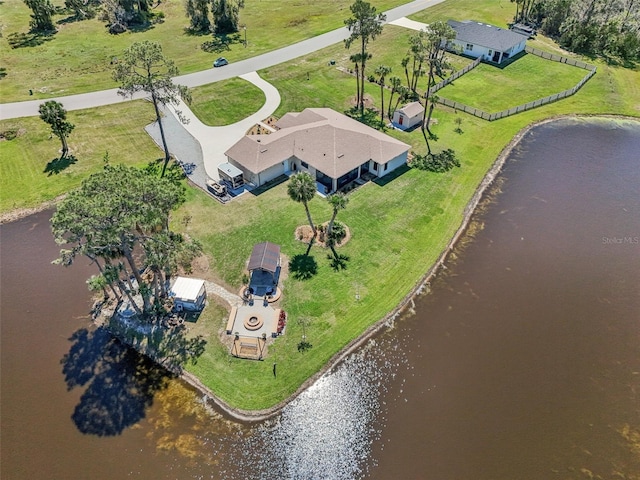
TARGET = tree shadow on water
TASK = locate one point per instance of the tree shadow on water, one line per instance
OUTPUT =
(57, 165)
(120, 383)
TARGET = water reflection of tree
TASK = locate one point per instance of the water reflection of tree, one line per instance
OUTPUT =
(120, 383)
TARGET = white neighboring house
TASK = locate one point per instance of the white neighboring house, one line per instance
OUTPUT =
(408, 116)
(332, 147)
(493, 44)
(188, 294)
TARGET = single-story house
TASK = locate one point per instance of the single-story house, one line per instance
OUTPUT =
(188, 294)
(332, 147)
(493, 44)
(408, 116)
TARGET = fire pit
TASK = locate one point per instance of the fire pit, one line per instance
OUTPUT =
(253, 323)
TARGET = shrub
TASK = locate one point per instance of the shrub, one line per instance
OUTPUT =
(338, 232)
(436, 162)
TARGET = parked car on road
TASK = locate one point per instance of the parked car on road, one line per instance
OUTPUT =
(220, 62)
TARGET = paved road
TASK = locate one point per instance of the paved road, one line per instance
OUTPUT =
(108, 97)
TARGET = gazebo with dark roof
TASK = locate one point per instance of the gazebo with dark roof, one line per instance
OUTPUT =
(264, 265)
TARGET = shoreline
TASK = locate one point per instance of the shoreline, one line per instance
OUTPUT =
(251, 416)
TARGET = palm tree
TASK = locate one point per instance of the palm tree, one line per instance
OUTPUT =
(382, 71)
(302, 188)
(355, 58)
(365, 25)
(395, 83)
(338, 201)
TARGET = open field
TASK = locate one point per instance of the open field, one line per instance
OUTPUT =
(399, 227)
(30, 173)
(524, 80)
(78, 57)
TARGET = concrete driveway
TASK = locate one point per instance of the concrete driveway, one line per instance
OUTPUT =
(199, 147)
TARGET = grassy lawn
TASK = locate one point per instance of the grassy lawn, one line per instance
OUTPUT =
(226, 102)
(29, 173)
(525, 79)
(78, 57)
(487, 11)
(398, 228)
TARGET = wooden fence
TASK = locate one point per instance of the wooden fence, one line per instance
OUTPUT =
(520, 108)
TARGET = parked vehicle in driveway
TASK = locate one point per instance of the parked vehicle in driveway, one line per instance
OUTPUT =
(220, 62)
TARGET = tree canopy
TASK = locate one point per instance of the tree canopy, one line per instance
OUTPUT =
(52, 113)
(41, 16)
(603, 27)
(144, 68)
(119, 218)
(225, 15)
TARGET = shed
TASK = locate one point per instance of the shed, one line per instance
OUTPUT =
(188, 294)
(408, 116)
(231, 174)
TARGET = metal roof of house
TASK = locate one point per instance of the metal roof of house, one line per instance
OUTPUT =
(329, 141)
(186, 288)
(265, 256)
(485, 35)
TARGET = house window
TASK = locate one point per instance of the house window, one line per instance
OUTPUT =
(469, 47)
(304, 164)
(386, 165)
(375, 166)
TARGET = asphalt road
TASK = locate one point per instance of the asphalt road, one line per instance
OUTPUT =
(108, 97)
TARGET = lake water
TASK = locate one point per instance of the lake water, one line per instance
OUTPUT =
(522, 362)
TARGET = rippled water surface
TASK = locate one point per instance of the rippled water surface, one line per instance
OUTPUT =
(523, 361)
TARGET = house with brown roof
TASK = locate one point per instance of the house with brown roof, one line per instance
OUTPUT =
(332, 147)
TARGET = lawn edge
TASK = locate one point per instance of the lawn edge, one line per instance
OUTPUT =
(424, 281)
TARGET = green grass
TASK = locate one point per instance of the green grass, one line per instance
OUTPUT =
(117, 129)
(398, 229)
(498, 13)
(78, 57)
(523, 80)
(226, 102)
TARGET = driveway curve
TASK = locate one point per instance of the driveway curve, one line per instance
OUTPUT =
(200, 148)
